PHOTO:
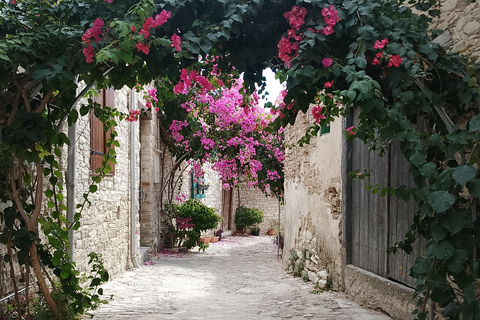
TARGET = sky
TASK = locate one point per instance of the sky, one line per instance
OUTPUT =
(273, 87)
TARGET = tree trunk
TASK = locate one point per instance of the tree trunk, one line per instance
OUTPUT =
(12, 273)
(41, 279)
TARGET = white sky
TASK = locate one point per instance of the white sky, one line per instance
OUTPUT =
(273, 87)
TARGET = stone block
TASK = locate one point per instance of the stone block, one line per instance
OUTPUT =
(312, 276)
(322, 284)
(323, 274)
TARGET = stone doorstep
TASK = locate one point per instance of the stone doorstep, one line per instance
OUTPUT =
(144, 251)
(376, 292)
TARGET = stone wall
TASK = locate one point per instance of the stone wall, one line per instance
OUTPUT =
(460, 20)
(150, 174)
(254, 198)
(105, 225)
(313, 193)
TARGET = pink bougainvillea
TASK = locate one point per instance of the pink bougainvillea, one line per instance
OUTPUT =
(234, 135)
(317, 113)
(394, 61)
(330, 15)
(176, 42)
(328, 84)
(296, 17)
(327, 62)
(380, 44)
(289, 47)
(94, 33)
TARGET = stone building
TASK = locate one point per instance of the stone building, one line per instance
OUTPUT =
(321, 224)
(157, 165)
(109, 226)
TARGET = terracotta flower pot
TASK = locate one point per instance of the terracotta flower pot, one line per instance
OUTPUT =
(205, 239)
(214, 239)
(271, 232)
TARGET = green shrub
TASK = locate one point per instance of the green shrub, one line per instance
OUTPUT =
(246, 217)
(203, 218)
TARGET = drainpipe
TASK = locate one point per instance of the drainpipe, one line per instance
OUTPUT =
(71, 177)
(133, 193)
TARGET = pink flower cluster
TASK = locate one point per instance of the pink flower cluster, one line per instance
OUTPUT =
(176, 42)
(186, 79)
(95, 31)
(280, 104)
(181, 198)
(92, 33)
(350, 131)
(148, 24)
(184, 223)
(150, 98)
(233, 130)
(330, 15)
(296, 17)
(317, 113)
(289, 47)
(393, 60)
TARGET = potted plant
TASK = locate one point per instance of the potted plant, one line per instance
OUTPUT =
(248, 217)
(255, 231)
(272, 227)
(202, 217)
(219, 234)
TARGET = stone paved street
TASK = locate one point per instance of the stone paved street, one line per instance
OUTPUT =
(237, 278)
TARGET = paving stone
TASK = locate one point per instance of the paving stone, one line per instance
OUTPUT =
(238, 278)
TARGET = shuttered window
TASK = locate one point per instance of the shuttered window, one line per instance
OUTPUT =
(98, 136)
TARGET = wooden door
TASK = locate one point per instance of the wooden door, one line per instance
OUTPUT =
(227, 209)
(375, 222)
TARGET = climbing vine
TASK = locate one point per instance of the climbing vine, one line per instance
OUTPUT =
(375, 56)
(379, 57)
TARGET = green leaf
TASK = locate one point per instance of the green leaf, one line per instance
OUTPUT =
(453, 221)
(440, 201)
(456, 263)
(429, 170)
(367, 32)
(95, 282)
(442, 250)
(421, 266)
(474, 187)
(463, 174)
(417, 159)
(474, 123)
(39, 74)
(437, 231)
(93, 188)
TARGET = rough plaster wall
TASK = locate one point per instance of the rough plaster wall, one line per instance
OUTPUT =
(105, 225)
(461, 21)
(254, 198)
(313, 197)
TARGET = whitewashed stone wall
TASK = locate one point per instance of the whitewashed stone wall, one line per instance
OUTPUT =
(313, 190)
(105, 225)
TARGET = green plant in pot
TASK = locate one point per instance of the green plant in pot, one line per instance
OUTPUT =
(202, 217)
(248, 217)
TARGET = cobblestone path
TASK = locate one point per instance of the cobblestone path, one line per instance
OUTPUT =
(237, 278)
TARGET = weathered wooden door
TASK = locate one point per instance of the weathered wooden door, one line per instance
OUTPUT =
(375, 222)
(227, 208)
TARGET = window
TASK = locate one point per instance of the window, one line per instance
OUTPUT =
(98, 136)
(198, 188)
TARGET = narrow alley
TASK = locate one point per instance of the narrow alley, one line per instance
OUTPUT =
(237, 278)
